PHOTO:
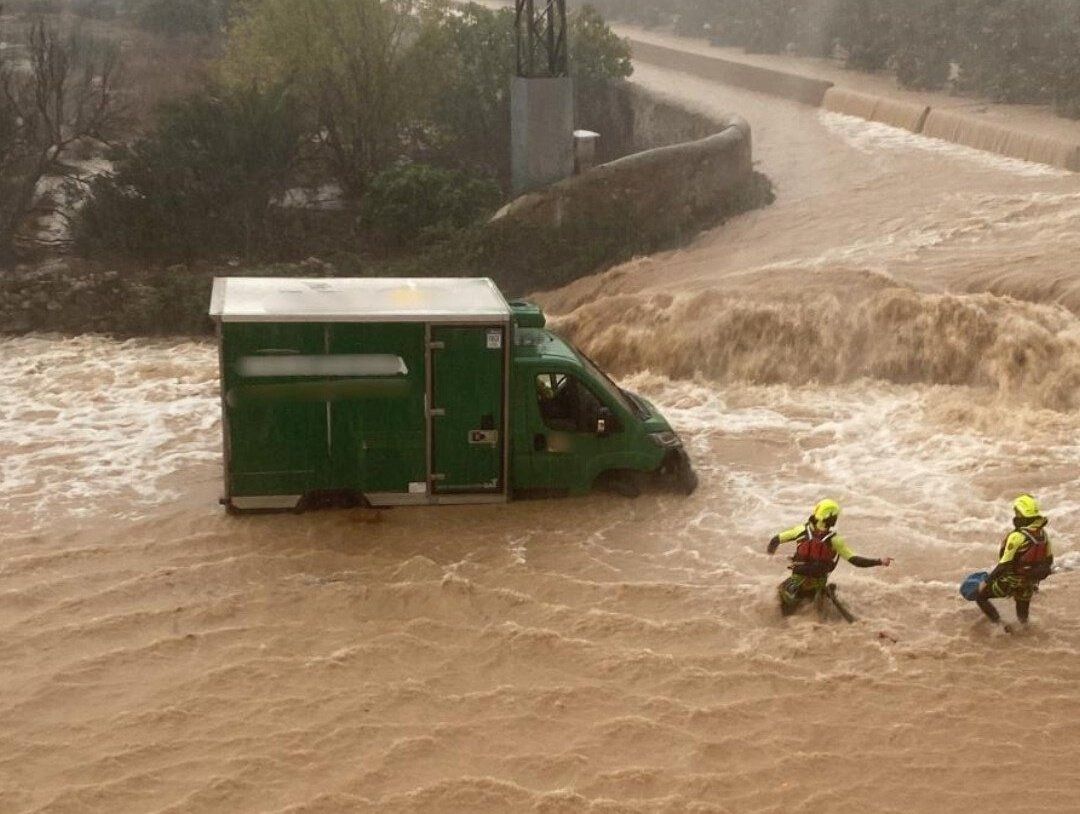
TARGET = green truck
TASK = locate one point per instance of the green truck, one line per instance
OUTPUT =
(417, 391)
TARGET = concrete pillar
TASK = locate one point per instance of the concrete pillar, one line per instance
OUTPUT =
(541, 131)
(584, 150)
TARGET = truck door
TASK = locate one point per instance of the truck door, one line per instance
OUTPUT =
(468, 369)
(564, 432)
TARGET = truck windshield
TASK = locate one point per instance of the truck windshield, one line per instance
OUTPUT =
(612, 389)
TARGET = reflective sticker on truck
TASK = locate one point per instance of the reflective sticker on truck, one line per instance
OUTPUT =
(487, 437)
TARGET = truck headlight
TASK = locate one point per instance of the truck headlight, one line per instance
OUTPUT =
(665, 440)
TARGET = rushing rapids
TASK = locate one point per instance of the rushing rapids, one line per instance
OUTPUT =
(899, 332)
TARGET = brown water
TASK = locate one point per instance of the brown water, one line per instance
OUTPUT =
(899, 332)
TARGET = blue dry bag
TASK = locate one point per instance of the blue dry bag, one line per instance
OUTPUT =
(969, 588)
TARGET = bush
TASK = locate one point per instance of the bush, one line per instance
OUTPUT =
(769, 27)
(865, 29)
(695, 19)
(1066, 79)
(201, 185)
(417, 201)
(1010, 59)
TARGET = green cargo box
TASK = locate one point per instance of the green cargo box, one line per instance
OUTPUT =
(393, 389)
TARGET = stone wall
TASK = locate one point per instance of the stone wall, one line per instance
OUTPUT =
(789, 85)
(657, 189)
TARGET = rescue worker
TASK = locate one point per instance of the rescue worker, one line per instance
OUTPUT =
(1024, 560)
(817, 552)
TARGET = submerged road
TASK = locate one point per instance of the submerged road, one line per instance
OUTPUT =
(898, 332)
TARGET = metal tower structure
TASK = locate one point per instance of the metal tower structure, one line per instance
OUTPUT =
(541, 39)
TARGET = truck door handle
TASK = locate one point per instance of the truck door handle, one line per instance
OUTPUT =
(539, 442)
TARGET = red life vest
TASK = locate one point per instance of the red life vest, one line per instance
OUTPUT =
(814, 556)
(1032, 559)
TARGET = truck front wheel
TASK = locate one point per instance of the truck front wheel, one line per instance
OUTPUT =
(686, 477)
(679, 473)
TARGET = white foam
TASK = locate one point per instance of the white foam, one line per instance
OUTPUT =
(88, 417)
(874, 137)
(875, 448)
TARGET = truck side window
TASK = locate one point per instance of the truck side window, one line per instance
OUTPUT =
(566, 404)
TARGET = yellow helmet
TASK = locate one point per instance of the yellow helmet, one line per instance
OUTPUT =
(1027, 507)
(826, 510)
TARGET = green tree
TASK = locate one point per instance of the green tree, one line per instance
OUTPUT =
(202, 184)
(866, 30)
(386, 79)
(597, 54)
(1009, 48)
(68, 95)
(926, 43)
(1065, 79)
(354, 65)
(469, 114)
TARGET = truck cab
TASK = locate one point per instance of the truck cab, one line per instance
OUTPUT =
(572, 426)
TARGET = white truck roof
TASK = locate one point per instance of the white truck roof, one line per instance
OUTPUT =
(357, 299)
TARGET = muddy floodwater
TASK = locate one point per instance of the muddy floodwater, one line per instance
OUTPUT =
(899, 332)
